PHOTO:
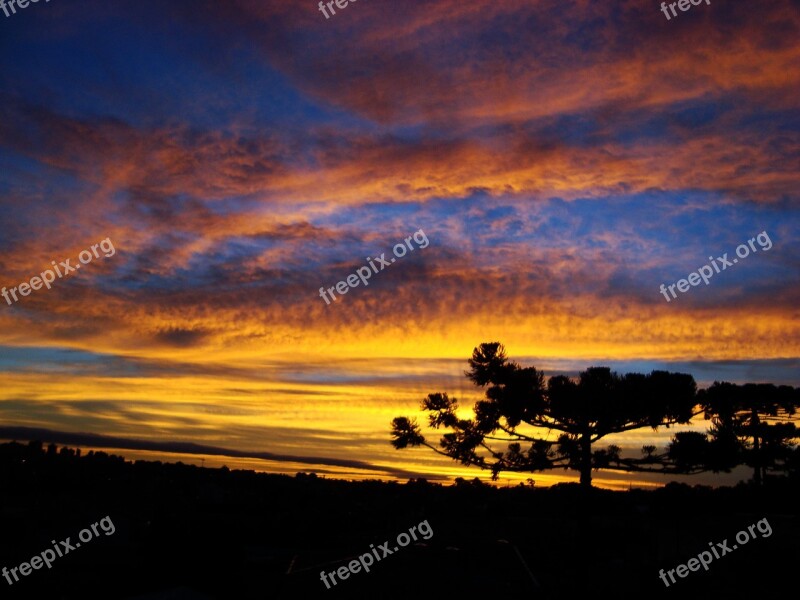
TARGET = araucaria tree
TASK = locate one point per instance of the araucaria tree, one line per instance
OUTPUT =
(759, 420)
(521, 411)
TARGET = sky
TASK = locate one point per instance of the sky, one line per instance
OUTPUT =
(561, 161)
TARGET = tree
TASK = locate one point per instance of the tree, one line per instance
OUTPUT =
(520, 408)
(758, 419)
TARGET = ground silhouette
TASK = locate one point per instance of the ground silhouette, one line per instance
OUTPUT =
(188, 532)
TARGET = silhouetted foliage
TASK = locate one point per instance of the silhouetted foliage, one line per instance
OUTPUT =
(519, 406)
(753, 424)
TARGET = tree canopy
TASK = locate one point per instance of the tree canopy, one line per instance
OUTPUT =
(525, 423)
(755, 423)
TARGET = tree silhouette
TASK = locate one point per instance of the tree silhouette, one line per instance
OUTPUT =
(520, 408)
(755, 420)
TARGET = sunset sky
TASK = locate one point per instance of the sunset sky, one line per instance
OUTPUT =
(564, 160)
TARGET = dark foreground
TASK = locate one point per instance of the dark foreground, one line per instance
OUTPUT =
(185, 532)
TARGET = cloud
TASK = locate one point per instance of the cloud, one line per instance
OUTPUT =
(182, 338)
(105, 441)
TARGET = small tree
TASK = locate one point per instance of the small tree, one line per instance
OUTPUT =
(519, 409)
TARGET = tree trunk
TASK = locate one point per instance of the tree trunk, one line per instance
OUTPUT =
(754, 423)
(586, 461)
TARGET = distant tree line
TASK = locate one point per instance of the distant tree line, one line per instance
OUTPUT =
(526, 424)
